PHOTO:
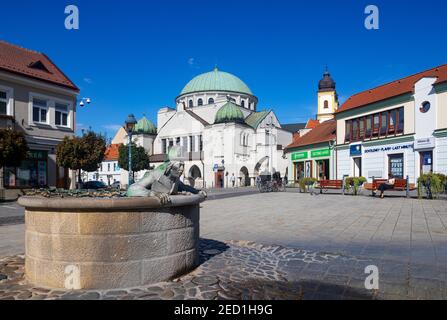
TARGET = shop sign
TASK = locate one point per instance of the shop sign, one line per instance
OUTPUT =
(355, 150)
(425, 143)
(299, 155)
(37, 155)
(320, 153)
(389, 148)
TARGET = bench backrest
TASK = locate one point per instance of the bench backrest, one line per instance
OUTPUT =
(378, 182)
(331, 183)
(400, 183)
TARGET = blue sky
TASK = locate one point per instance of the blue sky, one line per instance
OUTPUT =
(135, 56)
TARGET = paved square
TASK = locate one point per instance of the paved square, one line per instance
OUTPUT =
(405, 238)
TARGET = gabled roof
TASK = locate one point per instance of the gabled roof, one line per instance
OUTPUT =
(324, 132)
(293, 127)
(312, 124)
(255, 118)
(198, 118)
(32, 64)
(393, 89)
(112, 152)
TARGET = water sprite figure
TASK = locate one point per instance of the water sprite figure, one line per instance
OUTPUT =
(164, 180)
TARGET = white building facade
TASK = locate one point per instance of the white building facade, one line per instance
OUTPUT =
(397, 129)
(221, 133)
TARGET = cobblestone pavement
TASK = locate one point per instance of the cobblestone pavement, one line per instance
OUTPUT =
(246, 271)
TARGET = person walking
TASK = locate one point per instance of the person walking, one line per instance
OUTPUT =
(233, 180)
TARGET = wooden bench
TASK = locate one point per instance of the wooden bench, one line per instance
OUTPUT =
(399, 185)
(326, 185)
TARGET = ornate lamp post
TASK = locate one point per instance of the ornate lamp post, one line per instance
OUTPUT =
(130, 126)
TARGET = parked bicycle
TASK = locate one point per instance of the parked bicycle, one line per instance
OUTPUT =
(270, 183)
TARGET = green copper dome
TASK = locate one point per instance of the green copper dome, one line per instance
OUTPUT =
(216, 81)
(229, 112)
(145, 126)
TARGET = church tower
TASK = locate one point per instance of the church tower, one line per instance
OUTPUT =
(327, 98)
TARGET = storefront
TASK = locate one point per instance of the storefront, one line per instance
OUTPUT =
(32, 173)
(379, 159)
(312, 163)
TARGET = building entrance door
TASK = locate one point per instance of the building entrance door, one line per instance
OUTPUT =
(426, 162)
(219, 179)
(323, 169)
(298, 170)
(357, 167)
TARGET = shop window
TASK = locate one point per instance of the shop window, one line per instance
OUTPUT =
(32, 172)
(396, 165)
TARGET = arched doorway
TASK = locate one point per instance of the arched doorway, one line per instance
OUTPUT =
(244, 177)
(261, 165)
(194, 174)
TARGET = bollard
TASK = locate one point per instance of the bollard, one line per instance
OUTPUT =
(407, 187)
(373, 186)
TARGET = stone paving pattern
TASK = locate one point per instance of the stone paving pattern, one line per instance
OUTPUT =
(323, 244)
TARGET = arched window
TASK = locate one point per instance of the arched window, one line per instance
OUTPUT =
(246, 139)
(243, 104)
(326, 104)
(190, 104)
(210, 101)
(200, 102)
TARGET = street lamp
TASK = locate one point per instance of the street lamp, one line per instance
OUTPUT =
(270, 126)
(130, 126)
(88, 100)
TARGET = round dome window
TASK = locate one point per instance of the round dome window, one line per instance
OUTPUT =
(425, 107)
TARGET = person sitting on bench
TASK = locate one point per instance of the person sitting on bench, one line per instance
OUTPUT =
(387, 186)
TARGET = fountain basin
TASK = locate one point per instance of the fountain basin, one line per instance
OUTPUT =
(97, 243)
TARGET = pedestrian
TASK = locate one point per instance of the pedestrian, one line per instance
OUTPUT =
(233, 180)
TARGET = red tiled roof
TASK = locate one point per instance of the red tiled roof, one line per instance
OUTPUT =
(112, 152)
(312, 124)
(20, 61)
(324, 132)
(393, 89)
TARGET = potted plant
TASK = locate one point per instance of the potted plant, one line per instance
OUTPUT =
(306, 183)
(432, 183)
(355, 183)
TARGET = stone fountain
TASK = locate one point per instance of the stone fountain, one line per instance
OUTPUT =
(109, 243)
